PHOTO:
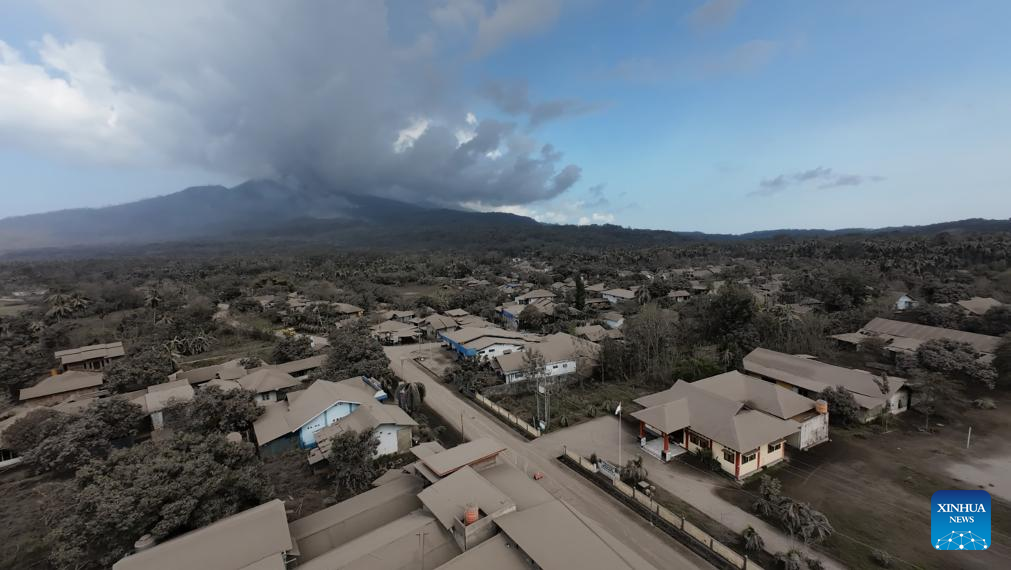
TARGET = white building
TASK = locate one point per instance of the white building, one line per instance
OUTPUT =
(563, 354)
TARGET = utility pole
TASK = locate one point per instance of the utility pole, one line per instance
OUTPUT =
(421, 536)
(968, 438)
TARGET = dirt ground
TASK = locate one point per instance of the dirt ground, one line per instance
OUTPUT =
(875, 487)
(22, 521)
(573, 405)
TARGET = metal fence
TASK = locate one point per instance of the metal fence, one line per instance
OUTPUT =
(677, 521)
(508, 417)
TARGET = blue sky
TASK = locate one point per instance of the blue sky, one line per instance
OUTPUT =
(721, 116)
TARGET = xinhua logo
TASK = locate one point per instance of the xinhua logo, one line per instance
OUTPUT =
(960, 520)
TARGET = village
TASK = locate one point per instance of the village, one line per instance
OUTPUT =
(456, 418)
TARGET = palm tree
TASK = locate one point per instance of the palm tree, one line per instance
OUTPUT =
(79, 301)
(789, 560)
(643, 295)
(60, 305)
(753, 542)
(152, 300)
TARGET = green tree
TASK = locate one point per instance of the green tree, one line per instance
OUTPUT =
(842, 406)
(213, 410)
(289, 348)
(143, 368)
(164, 489)
(353, 456)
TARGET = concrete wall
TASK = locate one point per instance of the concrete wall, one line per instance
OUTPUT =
(387, 436)
(812, 432)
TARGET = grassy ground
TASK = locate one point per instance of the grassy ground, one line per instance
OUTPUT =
(574, 404)
(13, 309)
(22, 521)
(875, 487)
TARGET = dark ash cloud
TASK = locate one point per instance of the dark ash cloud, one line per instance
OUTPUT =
(322, 93)
(824, 178)
(513, 98)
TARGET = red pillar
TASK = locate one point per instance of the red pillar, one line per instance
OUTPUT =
(737, 465)
(685, 432)
(666, 443)
(759, 458)
(642, 429)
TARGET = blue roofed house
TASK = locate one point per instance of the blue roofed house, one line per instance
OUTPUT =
(294, 422)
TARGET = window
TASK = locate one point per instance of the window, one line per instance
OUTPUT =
(773, 447)
(265, 396)
(729, 455)
(554, 367)
(698, 440)
(748, 457)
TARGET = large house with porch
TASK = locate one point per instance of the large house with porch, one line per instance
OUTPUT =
(743, 422)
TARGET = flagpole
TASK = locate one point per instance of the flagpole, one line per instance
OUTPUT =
(619, 435)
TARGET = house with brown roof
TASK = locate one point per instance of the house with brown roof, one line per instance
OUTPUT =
(743, 435)
(433, 324)
(51, 390)
(808, 377)
(679, 296)
(905, 338)
(536, 294)
(254, 539)
(92, 358)
(979, 305)
(348, 310)
(156, 399)
(615, 296)
(562, 353)
(294, 422)
(268, 384)
(396, 332)
(390, 425)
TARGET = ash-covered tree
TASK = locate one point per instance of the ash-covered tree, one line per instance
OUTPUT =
(354, 352)
(469, 376)
(935, 392)
(580, 295)
(213, 410)
(842, 406)
(955, 359)
(70, 441)
(532, 318)
(352, 455)
(1002, 361)
(291, 348)
(34, 427)
(145, 367)
(410, 396)
(23, 358)
(160, 488)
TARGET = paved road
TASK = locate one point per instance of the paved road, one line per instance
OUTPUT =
(601, 436)
(652, 544)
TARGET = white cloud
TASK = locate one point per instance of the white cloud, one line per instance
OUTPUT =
(409, 134)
